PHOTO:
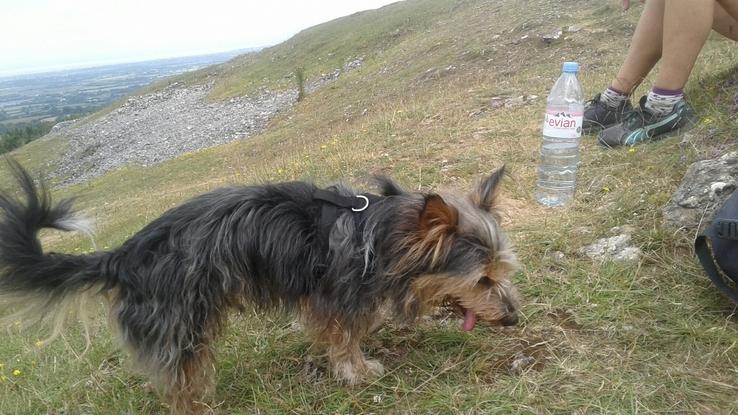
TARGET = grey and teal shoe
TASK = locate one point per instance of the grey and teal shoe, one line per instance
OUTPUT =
(598, 115)
(642, 126)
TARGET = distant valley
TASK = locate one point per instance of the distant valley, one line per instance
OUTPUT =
(26, 100)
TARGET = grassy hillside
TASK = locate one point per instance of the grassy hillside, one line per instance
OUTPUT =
(607, 338)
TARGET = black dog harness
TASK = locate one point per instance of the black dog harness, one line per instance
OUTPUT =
(335, 204)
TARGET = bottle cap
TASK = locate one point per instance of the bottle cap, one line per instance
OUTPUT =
(571, 67)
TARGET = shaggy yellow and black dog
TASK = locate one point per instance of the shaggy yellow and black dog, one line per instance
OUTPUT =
(338, 258)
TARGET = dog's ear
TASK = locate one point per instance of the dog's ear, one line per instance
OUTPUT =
(388, 187)
(486, 195)
(437, 218)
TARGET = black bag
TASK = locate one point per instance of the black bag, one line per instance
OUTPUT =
(721, 263)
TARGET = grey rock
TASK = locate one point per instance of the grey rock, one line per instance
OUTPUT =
(521, 362)
(551, 37)
(515, 102)
(705, 187)
(353, 64)
(558, 255)
(615, 248)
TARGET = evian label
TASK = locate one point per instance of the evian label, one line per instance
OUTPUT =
(561, 122)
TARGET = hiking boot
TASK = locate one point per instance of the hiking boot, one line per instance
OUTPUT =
(598, 115)
(642, 126)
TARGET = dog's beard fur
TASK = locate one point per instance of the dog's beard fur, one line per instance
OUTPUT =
(171, 284)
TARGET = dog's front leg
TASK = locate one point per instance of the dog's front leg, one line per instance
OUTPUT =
(347, 361)
(341, 339)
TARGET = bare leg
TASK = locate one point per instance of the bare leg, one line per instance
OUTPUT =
(725, 21)
(645, 48)
(681, 46)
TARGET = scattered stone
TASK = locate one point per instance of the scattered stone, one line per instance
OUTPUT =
(322, 80)
(511, 102)
(162, 125)
(558, 255)
(477, 112)
(353, 64)
(515, 102)
(573, 28)
(155, 127)
(520, 363)
(496, 102)
(705, 187)
(549, 38)
(615, 248)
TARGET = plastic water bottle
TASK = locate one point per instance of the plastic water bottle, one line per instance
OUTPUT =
(562, 129)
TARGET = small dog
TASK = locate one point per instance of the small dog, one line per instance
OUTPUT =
(338, 258)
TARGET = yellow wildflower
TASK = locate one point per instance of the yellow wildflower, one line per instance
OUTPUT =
(631, 150)
(3, 379)
(17, 372)
(707, 120)
(39, 343)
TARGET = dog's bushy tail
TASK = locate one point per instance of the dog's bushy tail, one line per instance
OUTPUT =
(42, 282)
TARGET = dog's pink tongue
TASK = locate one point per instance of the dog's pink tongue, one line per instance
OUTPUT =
(470, 319)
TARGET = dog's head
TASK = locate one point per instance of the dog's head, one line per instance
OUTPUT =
(460, 256)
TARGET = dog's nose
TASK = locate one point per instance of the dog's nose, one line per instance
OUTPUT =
(510, 319)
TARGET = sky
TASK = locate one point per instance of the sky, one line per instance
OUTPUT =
(39, 35)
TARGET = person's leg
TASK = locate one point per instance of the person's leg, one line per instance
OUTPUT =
(687, 23)
(609, 107)
(725, 20)
(645, 48)
(680, 50)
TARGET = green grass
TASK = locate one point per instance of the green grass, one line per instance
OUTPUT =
(654, 337)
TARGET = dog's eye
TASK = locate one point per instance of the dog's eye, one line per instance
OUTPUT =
(484, 282)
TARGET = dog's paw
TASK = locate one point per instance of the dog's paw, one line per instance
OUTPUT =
(354, 374)
(374, 368)
(348, 374)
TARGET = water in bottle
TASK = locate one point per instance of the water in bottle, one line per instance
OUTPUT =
(562, 129)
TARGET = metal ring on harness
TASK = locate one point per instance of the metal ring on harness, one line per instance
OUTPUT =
(366, 204)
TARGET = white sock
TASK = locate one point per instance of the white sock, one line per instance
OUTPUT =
(612, 98)
(661, 101)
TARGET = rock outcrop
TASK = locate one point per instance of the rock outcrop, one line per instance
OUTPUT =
(705, 187)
